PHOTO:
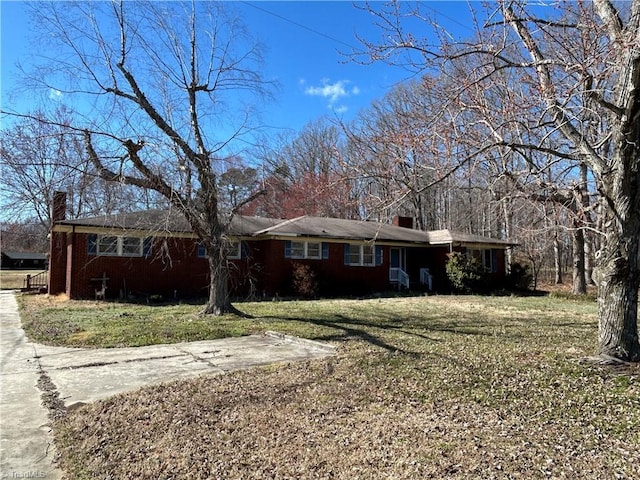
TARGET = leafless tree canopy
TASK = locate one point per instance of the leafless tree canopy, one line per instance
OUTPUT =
(40, 158)
(548, 100)
(163, 94)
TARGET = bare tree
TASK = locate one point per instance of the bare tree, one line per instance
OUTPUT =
(237, 184)
(165, 89)
(400, 152)
(587, 51)
(39, 158)
(617, 169)
(306, 175)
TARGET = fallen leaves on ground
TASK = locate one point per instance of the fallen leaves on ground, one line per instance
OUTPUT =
(354, 416)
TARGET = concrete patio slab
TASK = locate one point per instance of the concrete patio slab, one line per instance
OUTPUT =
(86, 375)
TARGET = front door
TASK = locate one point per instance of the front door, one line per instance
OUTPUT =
(397, 258)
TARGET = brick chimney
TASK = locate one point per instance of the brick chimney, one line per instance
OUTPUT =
(405, 222)
(59, 207)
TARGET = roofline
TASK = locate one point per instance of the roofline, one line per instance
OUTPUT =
(464, 243)
(76, 226)
(400, 243)
(136, 232)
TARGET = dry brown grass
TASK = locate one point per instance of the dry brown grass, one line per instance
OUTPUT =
(437, 387)
(14, 279)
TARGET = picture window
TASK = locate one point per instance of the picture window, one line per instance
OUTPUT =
(112, 245)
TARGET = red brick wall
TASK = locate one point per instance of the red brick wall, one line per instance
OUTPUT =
(173, 266)
(333, 276)
(57, 263)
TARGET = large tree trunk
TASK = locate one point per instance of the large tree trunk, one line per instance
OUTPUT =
(618, 297)
(219, 301)
(212, 233)
(618, 278)
(617, 273)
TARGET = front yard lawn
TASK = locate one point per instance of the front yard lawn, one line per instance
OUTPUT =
(56, 321)
(422, 387)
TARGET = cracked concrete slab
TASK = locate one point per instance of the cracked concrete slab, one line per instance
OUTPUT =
(86, 375)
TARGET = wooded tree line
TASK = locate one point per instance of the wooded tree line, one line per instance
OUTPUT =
(378, 166)
(403, 157)
(529, 130)
(393, 159)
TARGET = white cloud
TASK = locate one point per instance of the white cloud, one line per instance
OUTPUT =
(332, 91)
(55, 94)
(341, 109)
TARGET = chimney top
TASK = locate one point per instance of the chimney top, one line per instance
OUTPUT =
(405, 222)
(59, 207)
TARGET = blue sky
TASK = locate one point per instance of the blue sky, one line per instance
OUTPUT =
(303, 42)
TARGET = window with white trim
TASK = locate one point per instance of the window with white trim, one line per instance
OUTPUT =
(312, 250)
(131, 247)
(483, 257)
(361, 255)
(234, 250)
(116, 246)
(298, 249)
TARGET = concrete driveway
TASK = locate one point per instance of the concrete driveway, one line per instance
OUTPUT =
(86, 375)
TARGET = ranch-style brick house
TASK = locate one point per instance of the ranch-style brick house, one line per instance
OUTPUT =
(156, 253)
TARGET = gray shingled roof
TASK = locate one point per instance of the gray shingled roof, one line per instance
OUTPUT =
(305, 226)
(25, 255)
(166, 220)
(337, 228)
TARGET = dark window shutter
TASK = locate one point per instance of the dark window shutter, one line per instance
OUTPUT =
(378, 255)
(494, 260)
(92, 244)
(287, 249)
(244, 249)
(346, 254)
(325, 250)
(202, 252)
(146, 246)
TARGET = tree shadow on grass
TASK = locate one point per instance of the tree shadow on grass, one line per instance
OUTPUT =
(352, 328)
(346, 329)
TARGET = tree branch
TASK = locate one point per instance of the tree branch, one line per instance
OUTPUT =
(597, 163)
